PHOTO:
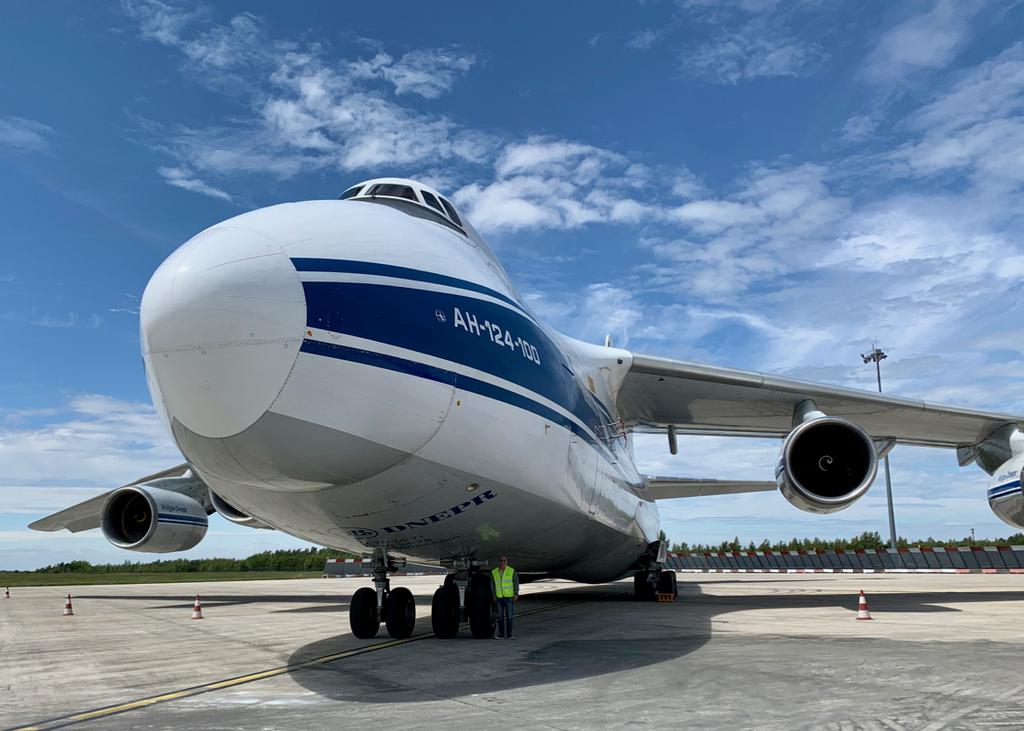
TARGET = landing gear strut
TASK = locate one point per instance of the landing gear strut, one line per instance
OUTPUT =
(648, 584)
(465, 595)
(652, 580)
(396, 607)
(645, 585)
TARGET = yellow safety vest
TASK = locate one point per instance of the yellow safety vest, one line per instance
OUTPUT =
(504, 587)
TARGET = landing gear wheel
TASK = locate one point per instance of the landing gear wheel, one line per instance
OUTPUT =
(645, 585)
(400, 616)
(483, 614)
(667, 583)
(444, 612)
(362, 613)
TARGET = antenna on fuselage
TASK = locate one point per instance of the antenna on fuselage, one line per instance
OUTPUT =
(608, 340)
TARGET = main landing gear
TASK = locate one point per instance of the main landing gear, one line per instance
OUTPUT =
(395, 607)
(648, 584)
(465, 595)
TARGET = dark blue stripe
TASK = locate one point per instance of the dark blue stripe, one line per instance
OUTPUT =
(431, 323)
(465, 383)
(186, 519)
(350, 266)
(1004, 490)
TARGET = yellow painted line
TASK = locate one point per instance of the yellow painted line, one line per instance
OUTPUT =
(106, 711)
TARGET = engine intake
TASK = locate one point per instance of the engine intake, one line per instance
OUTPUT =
(152, 520)
(826, 464)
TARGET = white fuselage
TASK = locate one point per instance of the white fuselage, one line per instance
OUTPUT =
(357, 376)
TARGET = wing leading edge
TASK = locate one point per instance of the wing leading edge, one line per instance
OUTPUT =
(667, 488)
(86, 514)
(700, 399)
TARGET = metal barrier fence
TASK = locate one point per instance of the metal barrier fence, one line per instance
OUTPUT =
(959, 560)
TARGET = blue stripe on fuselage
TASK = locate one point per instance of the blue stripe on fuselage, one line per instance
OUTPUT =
(458, 328)
(458, 380)
(350, 266)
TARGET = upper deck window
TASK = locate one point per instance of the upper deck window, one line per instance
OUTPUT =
(431, 201)
(393, 190)
(451, 211)
(351, 192)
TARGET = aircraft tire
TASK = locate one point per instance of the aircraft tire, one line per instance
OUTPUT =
(482, 612)
(362, 613)
(645, 586)
(444, 612)
(401, 613)
(667, 583)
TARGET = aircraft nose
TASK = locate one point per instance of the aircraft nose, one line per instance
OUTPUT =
(221, 321)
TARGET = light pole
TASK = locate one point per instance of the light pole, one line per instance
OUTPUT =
(877, 356)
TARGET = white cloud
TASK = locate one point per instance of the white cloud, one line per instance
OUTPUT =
(751, 40)
(310, 112)
(644, 40)
(859, 127)
(428, 72)
(180, 178)
(56, 321)
(99, 440)
(746, 55)
(25, 135)
(559, 184)
(924, 41)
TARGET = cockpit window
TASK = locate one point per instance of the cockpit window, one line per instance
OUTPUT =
(394, 191)
(451, 211)
(431, 201)
(351, 192)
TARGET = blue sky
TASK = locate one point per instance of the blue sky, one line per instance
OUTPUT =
(751, 183)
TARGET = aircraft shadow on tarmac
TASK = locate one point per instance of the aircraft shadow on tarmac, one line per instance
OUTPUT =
(603, 631)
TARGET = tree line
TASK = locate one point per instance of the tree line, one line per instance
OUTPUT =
(867, 539)
(301, 559)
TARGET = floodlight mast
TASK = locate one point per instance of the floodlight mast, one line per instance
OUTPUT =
(877, 356)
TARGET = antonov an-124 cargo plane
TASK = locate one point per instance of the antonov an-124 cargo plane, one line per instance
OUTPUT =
(361, 373)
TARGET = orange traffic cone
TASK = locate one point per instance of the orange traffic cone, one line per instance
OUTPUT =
(197, 609)
(862, 607)
(7, 593)
(68, 611)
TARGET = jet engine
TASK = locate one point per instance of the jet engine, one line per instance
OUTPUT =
(233, 514)
(1004, 492)
(826, 463)
(152, 520)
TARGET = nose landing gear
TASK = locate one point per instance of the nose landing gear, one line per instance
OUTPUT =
(396, 607)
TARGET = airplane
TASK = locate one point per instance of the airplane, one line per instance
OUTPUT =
(362, 374)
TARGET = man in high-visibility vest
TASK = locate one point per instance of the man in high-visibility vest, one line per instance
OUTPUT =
(505, 588)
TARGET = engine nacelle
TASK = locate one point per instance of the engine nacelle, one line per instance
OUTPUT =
(1004, 492)
(152, 520)
(826, 464)
(233, 514)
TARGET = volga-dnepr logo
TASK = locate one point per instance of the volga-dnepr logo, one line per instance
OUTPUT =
(367, 533)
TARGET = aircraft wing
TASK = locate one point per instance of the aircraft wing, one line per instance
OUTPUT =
(666, 488)
(700, 399)
(86, 515)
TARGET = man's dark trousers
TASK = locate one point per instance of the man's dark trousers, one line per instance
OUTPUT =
(505, 607)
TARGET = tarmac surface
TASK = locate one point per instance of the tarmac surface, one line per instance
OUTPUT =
(735, 651)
